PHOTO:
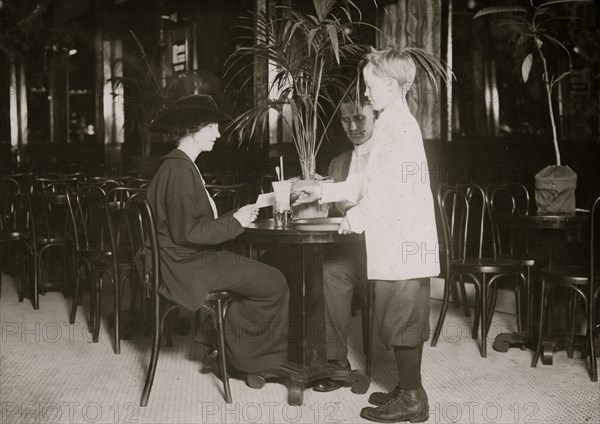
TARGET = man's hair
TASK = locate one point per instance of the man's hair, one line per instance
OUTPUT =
(356, 96)
(392, 63)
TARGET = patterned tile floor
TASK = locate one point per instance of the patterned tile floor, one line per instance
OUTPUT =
(50, 372)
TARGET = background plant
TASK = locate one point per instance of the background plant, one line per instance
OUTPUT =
(535, 28)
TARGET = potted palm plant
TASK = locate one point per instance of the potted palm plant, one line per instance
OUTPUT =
(313, 56)
(555, 184)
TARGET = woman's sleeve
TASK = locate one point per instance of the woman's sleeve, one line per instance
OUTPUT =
(189, 215)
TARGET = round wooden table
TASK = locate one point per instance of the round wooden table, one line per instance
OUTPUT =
(566, 227)
(299, 255)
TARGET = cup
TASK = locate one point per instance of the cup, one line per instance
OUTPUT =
(280, 218)
(282, 190)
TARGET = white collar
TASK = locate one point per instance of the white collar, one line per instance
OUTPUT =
(398, 106)
(365, 148)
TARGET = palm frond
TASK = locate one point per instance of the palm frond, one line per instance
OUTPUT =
(552, 2)
(494, 10)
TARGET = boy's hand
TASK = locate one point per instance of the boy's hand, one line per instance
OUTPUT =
(305, 192)
(344, 227)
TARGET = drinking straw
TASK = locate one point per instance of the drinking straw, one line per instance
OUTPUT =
(278, 173)
(281, 166)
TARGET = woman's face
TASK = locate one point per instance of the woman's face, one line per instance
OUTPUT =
(379, 90)
(206, 136)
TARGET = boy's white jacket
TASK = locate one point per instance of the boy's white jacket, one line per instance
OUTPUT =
(395, 206)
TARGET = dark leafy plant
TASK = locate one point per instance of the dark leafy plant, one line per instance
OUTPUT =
(143, 94)
(533, 26)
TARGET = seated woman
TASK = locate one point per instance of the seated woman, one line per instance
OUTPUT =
(189, 234)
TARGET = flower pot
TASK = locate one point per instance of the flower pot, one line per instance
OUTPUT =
(310, 210)
(313, 209)
(555, 189)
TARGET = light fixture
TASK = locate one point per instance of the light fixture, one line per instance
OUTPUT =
(72, 52)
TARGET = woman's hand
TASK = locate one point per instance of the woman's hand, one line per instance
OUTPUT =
(246, 214)
(305, 192)
(344, 227)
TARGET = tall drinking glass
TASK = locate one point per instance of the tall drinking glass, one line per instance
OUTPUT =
(282, 190)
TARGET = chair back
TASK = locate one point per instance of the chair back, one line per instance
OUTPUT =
(219, 178)
(505, 199)
(509, 198)
(51, 208)
(464, 217)
(122, 245)
(80, 176)
(141, 227)
(23, 178)
(90, 219)
(14, 207)
(231, 196)
(136, 182)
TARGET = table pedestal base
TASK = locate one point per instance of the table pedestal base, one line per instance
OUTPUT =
(523, 340)
(299, 379)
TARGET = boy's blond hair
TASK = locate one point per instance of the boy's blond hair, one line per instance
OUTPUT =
(392, 63)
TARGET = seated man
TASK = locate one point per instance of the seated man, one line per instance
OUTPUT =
(345, 269)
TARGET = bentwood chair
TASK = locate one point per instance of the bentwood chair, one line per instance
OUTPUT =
(142, 229)
(583, 283)
(122, 255)
(92, 249)
(14, 228)
(465, 220)
(228, 197)
(51, 230)
(508, 200)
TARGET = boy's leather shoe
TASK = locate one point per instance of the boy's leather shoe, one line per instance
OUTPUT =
(407, 405)
(379, 398)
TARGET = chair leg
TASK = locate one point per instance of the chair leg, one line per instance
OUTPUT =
(153, 358)
(484, 325)
(117, 306)
(98, 309)
(221, 349)
(36, 278)
(445, 301)
(75, 299)
(25, 270)
(518, 296)
(590, 336)
(93, 288)
(477, 315)
(168, 335)
(463, 294)
(573, 310)
(164, 325)
(528, 300)
(544, 301)
(491, 305)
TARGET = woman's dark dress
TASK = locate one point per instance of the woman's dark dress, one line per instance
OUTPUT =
(192, 265)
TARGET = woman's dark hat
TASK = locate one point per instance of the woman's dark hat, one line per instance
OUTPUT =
(187, 112)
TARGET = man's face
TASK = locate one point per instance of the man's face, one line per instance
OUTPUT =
(358, 122)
